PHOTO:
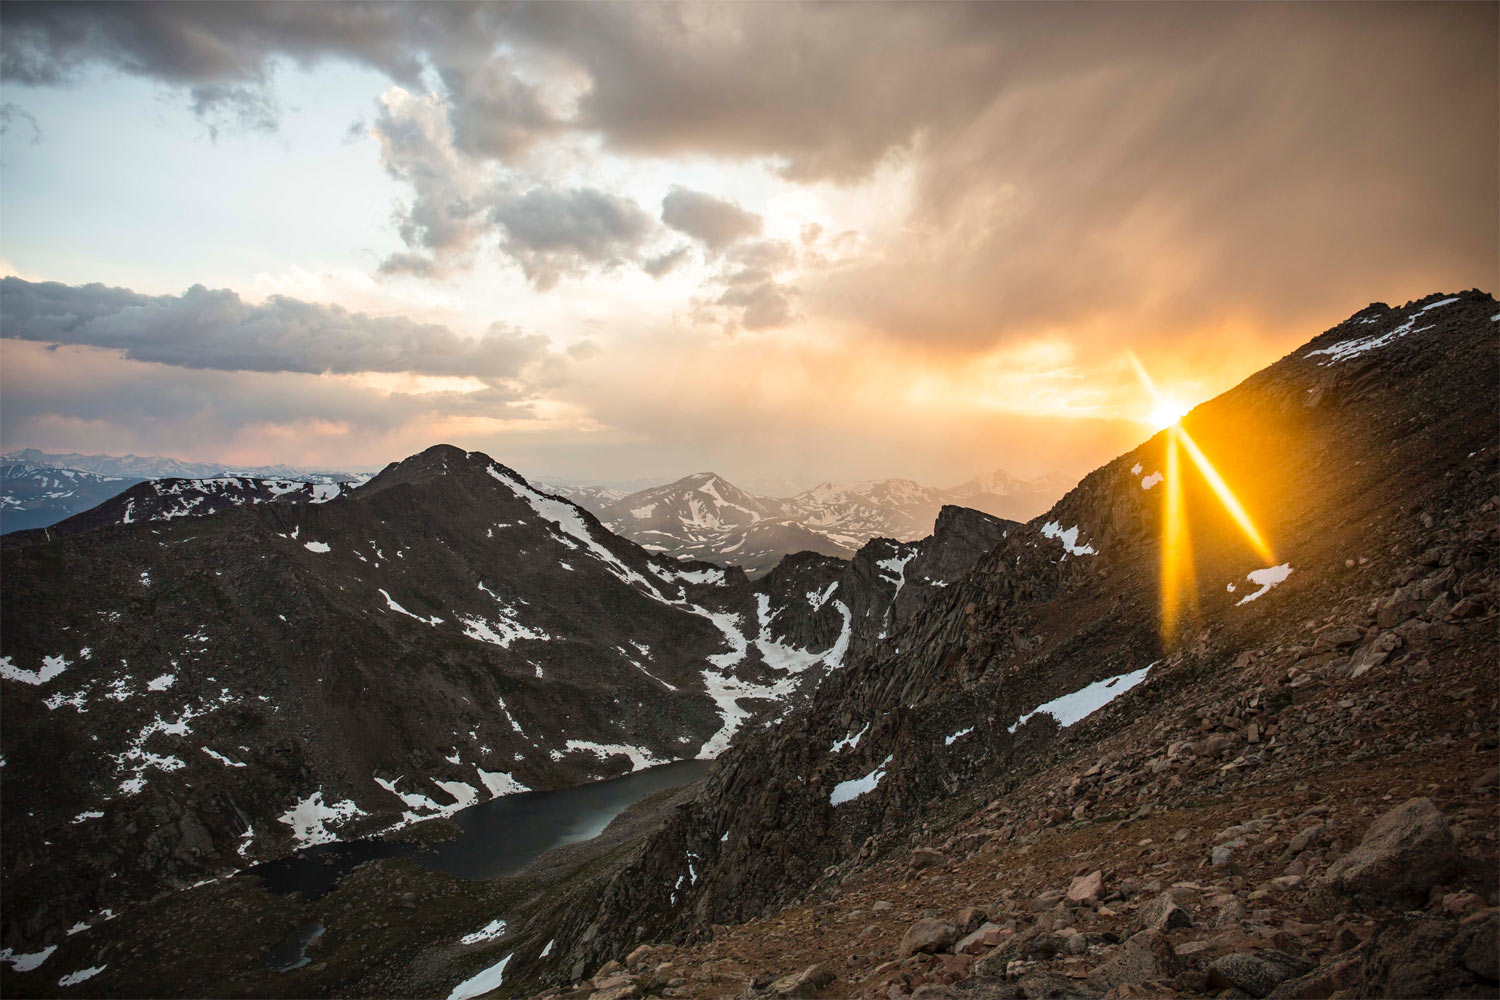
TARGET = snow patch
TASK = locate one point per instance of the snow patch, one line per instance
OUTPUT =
(52, 666)
(1080, 704)
(482, 982)
(489, 932)
(1346, 349)
(221, 758)
(499, 783)
(74, 978)
(850, 741)
(1265, 579)
(309, 818)
(391, 603)
(1069, 538)
(847, 791)
(640, 757)
(25, 963)
(1152, 480)
(948, 741)
(316, 546)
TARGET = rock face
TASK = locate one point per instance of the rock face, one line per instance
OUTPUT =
(1406, 852)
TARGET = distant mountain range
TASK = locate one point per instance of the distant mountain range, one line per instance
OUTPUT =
(39, 488)
(704, 516)
(157, 467)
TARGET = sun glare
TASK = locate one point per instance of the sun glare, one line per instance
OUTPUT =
(1178, 573)
(1166, 412)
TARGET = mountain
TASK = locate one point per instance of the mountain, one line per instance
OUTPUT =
(1004, 495)
(704, 516)
(157, 467)
(230, 686)
(1036, 718)
(590, 497)
(39, 489)
(33, 496)
(166, 499)
(1036, 784)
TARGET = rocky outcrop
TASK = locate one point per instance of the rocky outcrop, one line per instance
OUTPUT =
(1404, 854)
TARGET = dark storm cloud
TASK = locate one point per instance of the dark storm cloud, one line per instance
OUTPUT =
(215, 329)
(713, 222)
(1156, 163)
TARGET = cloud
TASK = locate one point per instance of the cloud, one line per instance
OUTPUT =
(226, 53)
(444, 221)
(215, 329)
(765, 304)
(553, 232)
(459, 203)
(12, 113)
(84, 394)
(664, 263)
(500, 115)
(711, 221)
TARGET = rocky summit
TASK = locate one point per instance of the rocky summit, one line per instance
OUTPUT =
(1074, 757)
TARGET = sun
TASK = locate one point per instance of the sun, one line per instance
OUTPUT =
(1166, 412)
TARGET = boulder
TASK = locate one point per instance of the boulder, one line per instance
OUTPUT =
(802, 985)
(969, 918)
(1086, 888)
(624, 991)
(1403, 855)
(1146, 957)
(639, 957)
(1052, 986)
(1338, 976)
(928, 935)
(1163, 914)
(1418, 955)
(926, 857)
(980, 940)
(1256, 973)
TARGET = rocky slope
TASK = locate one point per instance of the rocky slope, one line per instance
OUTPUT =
(704, 516)
(1368, 458)
(233, 685)
(34, 496)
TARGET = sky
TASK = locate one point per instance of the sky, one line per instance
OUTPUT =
(786, 243)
